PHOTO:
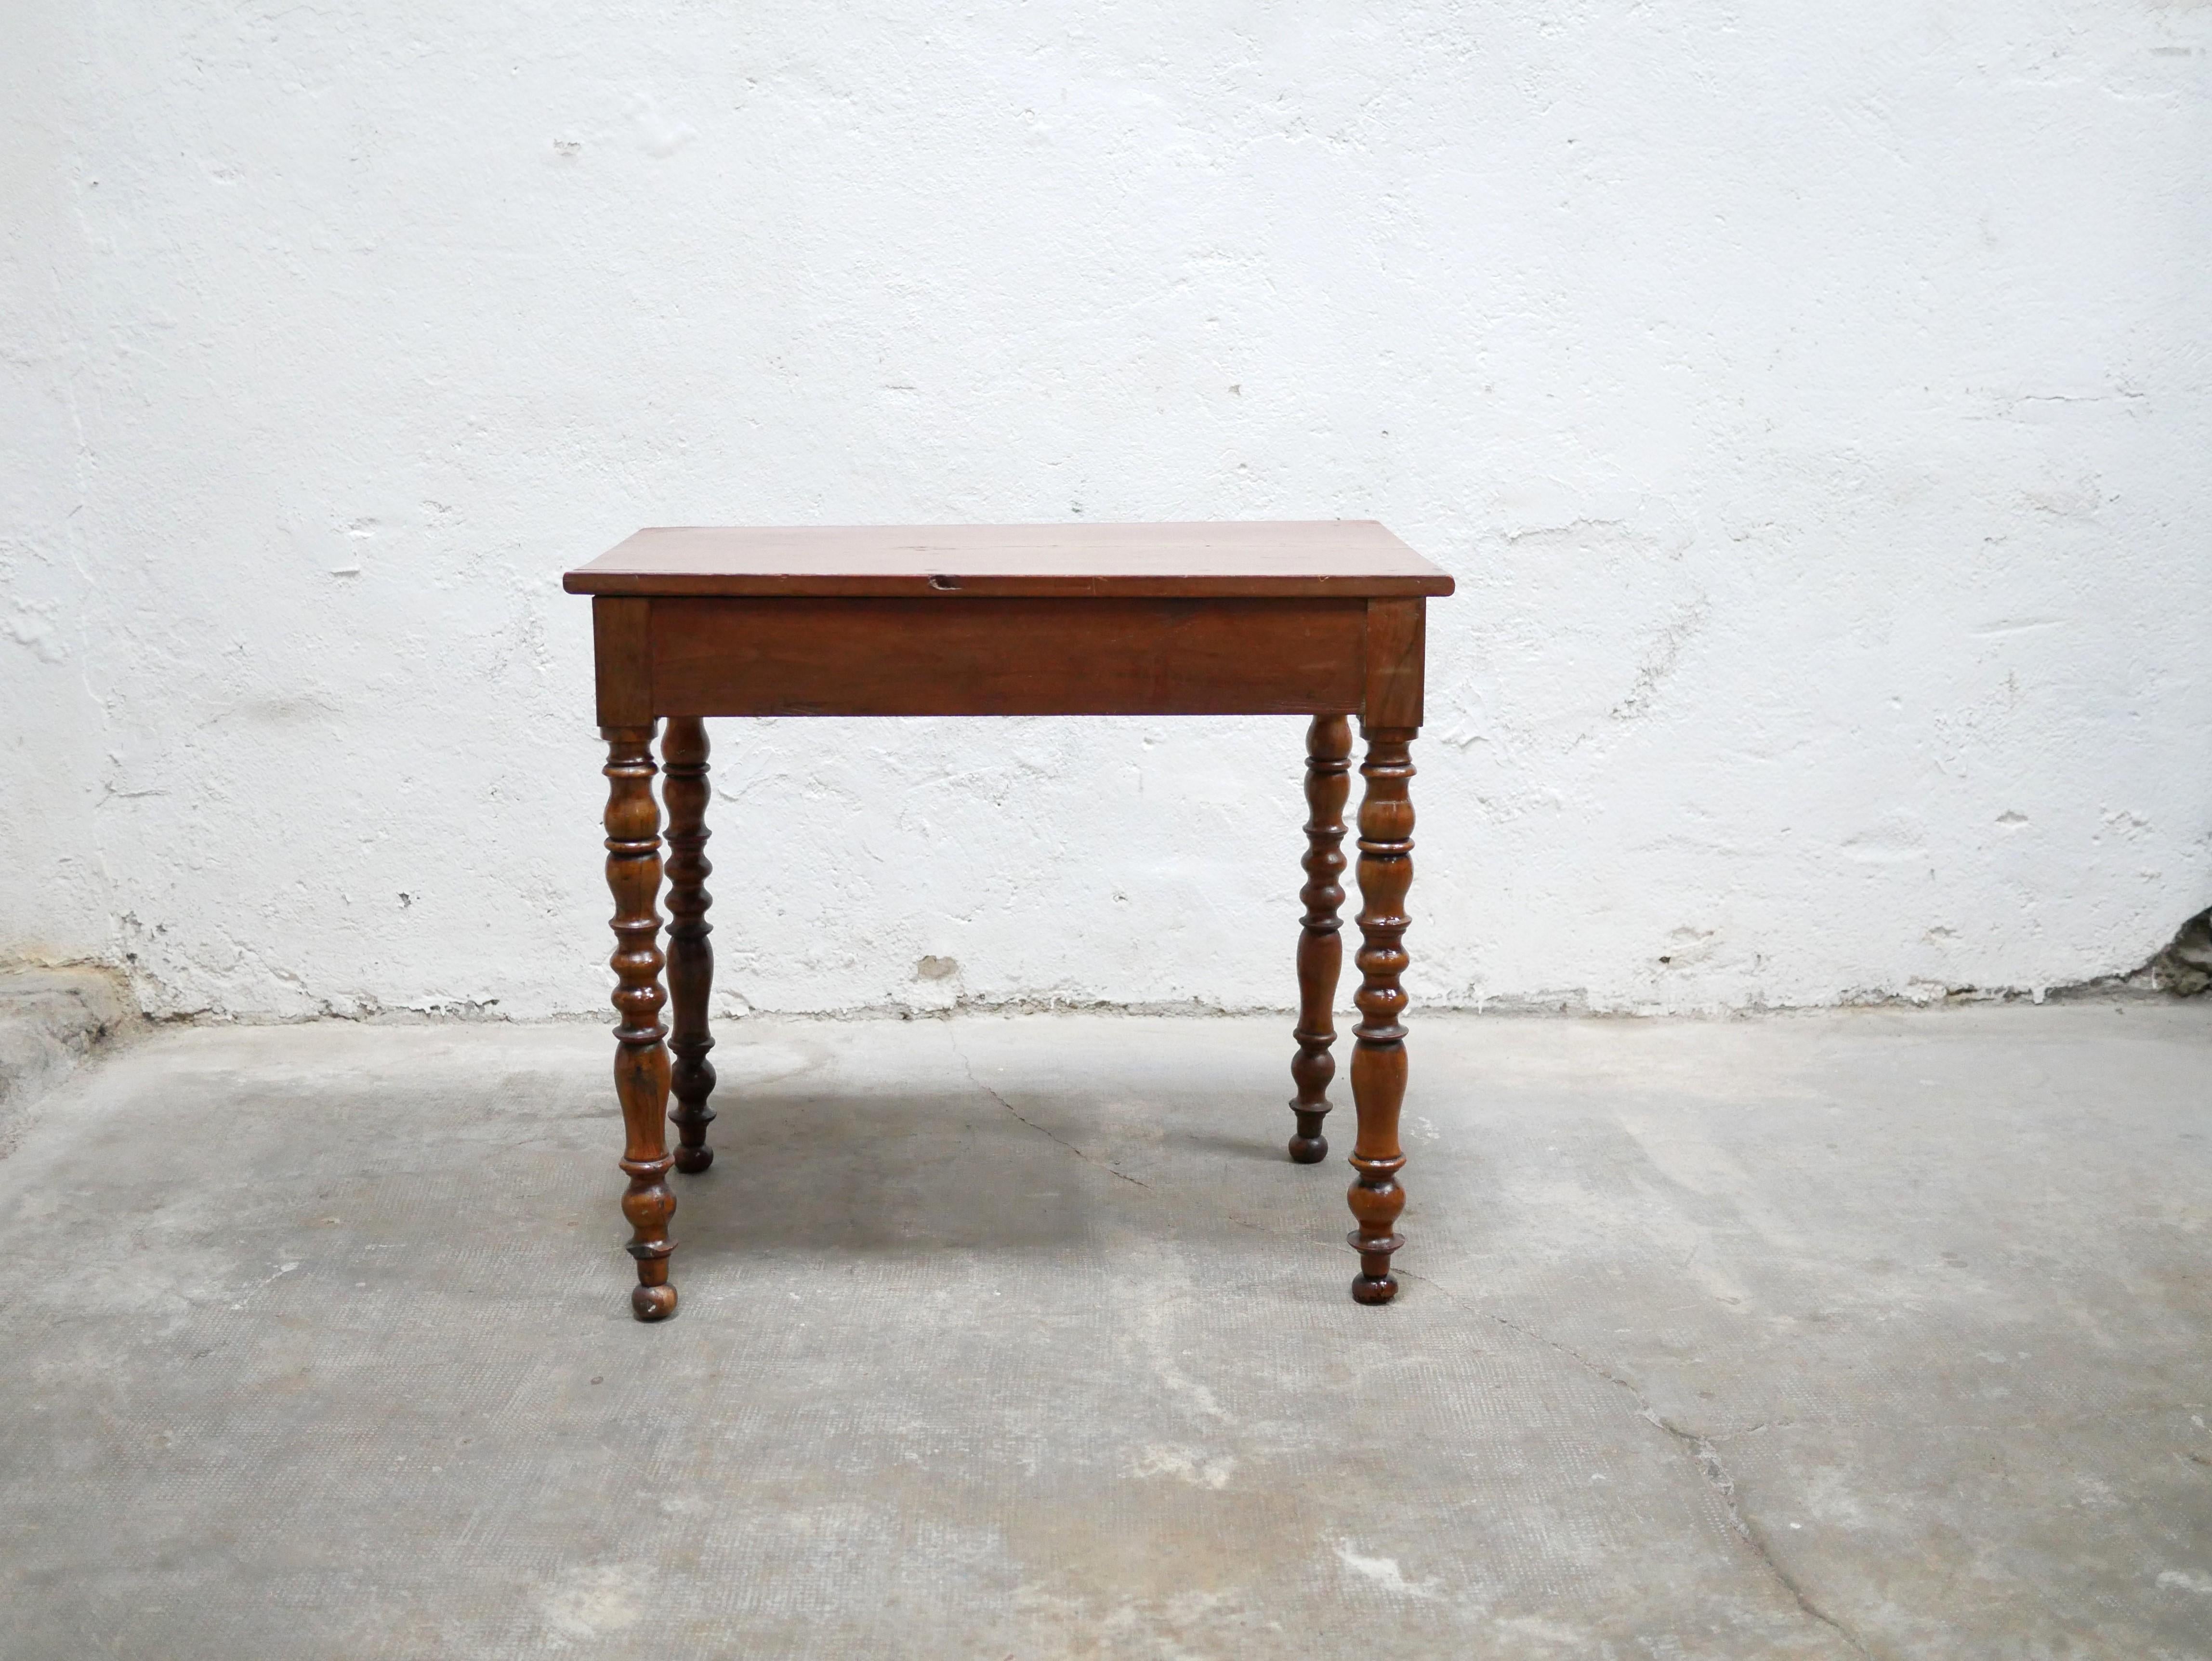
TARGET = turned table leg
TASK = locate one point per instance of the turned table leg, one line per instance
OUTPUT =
(640, 1059)
(690, 958)
(1378, 1055)
(1321, 944)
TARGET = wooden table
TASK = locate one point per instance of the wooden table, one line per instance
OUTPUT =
(1323, 620)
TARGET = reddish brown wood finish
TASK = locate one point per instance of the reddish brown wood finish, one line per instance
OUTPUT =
(691, 956)
(1312, 559)
(624, 651)
(1396, 653)
(1311, 620)
(641, 1058)
(1321, 943)
(966, 656)
(1378, 1055)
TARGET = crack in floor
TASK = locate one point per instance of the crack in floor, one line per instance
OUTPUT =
(968, 1068)
(1703, 1454)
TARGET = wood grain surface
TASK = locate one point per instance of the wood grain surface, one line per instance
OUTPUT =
(1345, 559)
(1007, 657)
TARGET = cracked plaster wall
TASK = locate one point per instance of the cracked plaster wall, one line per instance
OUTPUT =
(1812, 407)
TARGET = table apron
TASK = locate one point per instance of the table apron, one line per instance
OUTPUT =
(973, 656)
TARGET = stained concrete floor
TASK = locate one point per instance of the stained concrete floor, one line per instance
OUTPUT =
(1864, 1334)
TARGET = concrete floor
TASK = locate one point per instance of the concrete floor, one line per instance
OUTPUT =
(1864, 1333)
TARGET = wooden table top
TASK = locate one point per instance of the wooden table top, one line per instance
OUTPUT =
(1322, 558)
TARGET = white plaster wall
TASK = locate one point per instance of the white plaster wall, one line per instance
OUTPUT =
(1812, 402)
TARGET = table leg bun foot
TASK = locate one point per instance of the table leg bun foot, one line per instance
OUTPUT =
(1308, 1145)
(648, 1205)
(1368, 1288)
(1376, 1203)
(1374, 1283)
(693, 1161)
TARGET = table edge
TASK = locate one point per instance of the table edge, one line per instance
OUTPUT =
(699, 586)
